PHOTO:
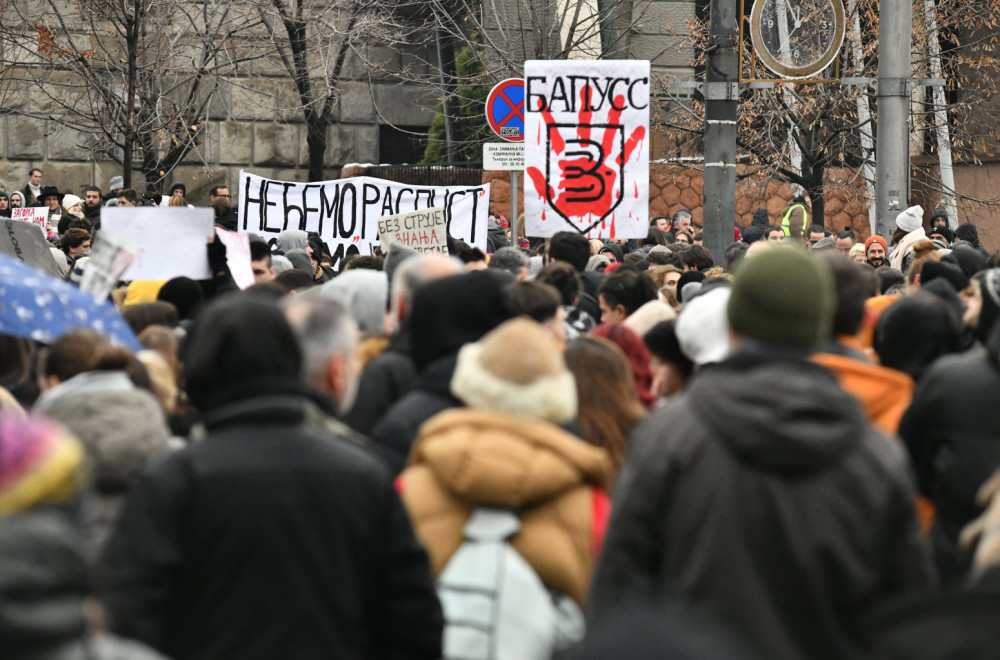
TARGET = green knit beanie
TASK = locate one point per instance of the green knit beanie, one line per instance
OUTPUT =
(785, 297)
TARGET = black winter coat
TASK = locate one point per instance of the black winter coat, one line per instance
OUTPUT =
(271, 538)
(952, 431)
(384, 381)
(395, 434)
(764, 499)
(961, 623)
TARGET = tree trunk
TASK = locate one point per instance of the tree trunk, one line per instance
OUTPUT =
(814, 185)
(316, 142)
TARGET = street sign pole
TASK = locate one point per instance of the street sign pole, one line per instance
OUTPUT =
(721, 98)
(513, 207)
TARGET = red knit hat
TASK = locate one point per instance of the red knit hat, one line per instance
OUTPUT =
(875, 238)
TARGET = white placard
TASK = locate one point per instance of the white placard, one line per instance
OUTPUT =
(425, 230)
(505, 156)
(109, 259)
(237, 256)
(36, 214)
(587, 148)
(170, 242)
(345, 212)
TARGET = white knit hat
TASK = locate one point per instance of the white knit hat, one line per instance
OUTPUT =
(516, 369)
(703, 327)
(911, 219)
(70, 200)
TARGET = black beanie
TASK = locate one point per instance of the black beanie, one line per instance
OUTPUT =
(687, 278)
(942, 231)
(237, 346)
(968, 258)
(952, 274)
(184, 294)
(661, 340)
(456, 310)
(968, 233)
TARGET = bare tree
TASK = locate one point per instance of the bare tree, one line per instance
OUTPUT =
(313, 40)
(831, 125)
(493, 40)
(134, 78)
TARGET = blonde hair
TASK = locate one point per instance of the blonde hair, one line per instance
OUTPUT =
(177, 201)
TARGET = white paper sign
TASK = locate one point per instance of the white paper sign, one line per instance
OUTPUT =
(587, 148)
(36, 214)
(424, 230)
(171, 242)
(237, 256)
(109, 259)
(345, 212)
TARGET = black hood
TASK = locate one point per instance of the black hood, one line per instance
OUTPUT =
(237, 348)
(453, 311)
(43, 581)
(778, 414)
(615, 250)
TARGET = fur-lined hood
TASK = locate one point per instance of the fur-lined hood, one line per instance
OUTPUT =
(494, 459)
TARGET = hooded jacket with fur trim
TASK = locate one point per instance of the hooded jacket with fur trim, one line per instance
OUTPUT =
(554, 481)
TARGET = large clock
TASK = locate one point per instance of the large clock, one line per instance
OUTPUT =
(797, 38)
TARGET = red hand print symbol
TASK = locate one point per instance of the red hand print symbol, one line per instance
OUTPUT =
(589, 181)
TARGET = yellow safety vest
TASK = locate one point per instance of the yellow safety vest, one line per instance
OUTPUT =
(788, 215)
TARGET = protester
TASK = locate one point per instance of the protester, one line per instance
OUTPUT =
(450, 313)
(505, 451)
(270, 537)
(766, 441)
(120, 425)
(609, 406)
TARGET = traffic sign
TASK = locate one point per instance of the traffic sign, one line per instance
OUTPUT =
(505, 109)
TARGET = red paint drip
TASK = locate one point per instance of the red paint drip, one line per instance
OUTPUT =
(612, 225)
(636, 184)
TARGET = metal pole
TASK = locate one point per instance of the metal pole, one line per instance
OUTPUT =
(892, 164)
(721, 97)
(513, 207)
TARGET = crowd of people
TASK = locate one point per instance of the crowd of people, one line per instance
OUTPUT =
(786, 455)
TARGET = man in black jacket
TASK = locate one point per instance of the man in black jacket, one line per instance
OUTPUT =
(269, 537)
(763, 498)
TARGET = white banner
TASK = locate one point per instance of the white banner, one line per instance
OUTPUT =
(345, 212)
(587, 148)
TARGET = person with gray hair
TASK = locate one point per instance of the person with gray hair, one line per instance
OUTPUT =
(512, 260)
(330, 342)
(392, 374)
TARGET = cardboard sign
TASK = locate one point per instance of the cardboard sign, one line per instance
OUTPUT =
(345, 212)
(109, 259)
(25, 242)
(170, 242)
(38, 215)
(237, 256)
(587, 148)
(425, 230)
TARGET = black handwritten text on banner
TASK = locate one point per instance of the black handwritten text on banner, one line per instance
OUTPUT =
(345, 212)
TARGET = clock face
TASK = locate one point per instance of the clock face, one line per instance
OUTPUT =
(797, 38)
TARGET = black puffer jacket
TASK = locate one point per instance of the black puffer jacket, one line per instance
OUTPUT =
(952, 431)
(763, 497)
(270, 538)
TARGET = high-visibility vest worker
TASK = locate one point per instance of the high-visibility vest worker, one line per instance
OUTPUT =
(793, 214)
